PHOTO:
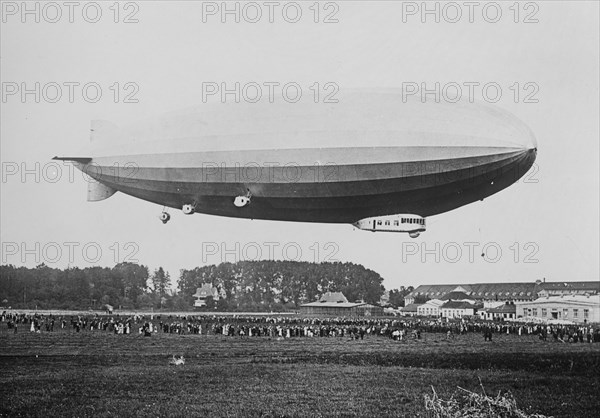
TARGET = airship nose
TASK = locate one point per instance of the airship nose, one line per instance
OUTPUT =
(529, 155)
(531, 146)
(528, 142)
(507, 130)
(531, 142)
(532, 153)
(527, 138)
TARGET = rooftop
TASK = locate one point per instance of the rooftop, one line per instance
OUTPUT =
(507, 290)
(411, 307)
(593, 300)
(333, 297)
(334, 304)
(506, 308)
(591, 286)
(457, 305)
(334, 300)
(205, 291)
(454, 295)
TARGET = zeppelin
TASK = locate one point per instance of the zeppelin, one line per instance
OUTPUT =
(371, 159)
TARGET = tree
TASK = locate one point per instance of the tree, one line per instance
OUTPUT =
(131, 279)
(211, 303)
(421, 299)
(263, 285)
(160, 281)
(397, 296)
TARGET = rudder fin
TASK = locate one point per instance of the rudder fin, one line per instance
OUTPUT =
(98, 191)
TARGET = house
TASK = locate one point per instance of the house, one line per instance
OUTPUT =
(336, 304)
(507, 310)
(430, 308)
(202, 293)
(409, 310)
(457, 304)
(457, 309)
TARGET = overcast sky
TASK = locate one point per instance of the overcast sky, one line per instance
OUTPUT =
(545, 225)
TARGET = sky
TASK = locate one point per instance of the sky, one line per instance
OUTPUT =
(138, 60)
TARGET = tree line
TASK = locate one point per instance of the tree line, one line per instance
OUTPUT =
(248, 286)
(126, 284)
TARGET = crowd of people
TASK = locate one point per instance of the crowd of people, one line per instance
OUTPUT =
(284, 326)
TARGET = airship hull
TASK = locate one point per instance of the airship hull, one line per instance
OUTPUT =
(331, 192)
(371, 155)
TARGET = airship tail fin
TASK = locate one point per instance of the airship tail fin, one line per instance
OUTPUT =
(98, 191)
(103, 130)
(80, 160)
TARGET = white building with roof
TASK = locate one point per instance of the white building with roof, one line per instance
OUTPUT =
(336, 304)
(495, 294)
(505, 311)
(430, 308)
(575, 308)
(457, 309)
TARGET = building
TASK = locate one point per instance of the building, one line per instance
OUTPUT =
(506, 311)
(430, 308)
(457, 309)
(484, 292)
(575, 308)
(458, 295)
(336, 304)
(495, 294)
(457, 304)
(204, 292)
(569, 288)
(409, 310)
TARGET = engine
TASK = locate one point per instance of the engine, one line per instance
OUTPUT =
(241, 201)
(188, 209)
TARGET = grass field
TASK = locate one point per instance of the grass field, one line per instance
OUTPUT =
(96, 373)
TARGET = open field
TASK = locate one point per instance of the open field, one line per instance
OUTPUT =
(96, 373)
